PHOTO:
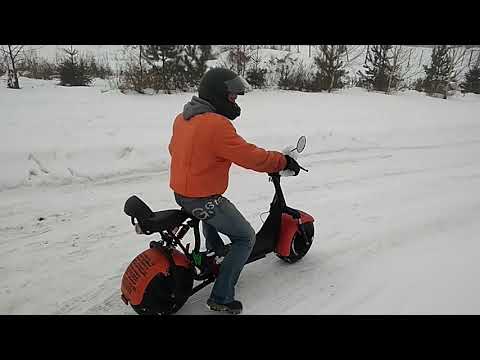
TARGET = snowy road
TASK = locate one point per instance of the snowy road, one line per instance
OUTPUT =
(389, 238)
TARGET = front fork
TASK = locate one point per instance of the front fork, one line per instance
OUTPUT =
(301, 227)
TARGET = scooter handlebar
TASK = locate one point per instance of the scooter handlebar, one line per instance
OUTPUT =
(278, 173)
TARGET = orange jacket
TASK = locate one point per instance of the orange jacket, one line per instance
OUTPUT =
(203, 149)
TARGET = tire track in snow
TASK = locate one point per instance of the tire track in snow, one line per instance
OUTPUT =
(99, 296)
(392, 148)
(39, 164)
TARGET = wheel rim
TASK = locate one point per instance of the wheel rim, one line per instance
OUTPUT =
(300, 245)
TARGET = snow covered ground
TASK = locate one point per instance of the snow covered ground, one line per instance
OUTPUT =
(393, 185)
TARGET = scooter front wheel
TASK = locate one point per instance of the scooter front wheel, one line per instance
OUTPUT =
(300, 245)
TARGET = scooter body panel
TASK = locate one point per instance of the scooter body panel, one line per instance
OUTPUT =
(143, 269)
(288, 228)
(267, 235)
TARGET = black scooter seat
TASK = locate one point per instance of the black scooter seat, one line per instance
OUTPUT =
(164, 220)
(150, 221)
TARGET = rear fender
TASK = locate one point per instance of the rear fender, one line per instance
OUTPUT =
(143, 269)
(288, 229)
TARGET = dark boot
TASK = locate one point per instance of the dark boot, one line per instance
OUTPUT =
(234, 307)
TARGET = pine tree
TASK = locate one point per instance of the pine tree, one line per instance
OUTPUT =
(73, 71)
(378, 68)
(331, 67)
(256, 75)
(439, 71)
(472, 81)
(194, 60)
(164, 61)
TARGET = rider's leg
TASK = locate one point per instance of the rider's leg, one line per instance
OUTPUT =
(213, 240)
(222, 215)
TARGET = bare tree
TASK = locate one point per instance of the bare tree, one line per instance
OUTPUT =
(456, 57)
(353, 58)
(353, 53)
(471, 57)
(401, 67)
(3, 65)
(407, 68)
(134, 74)
(239, 58)
(11, 52)
(395, 66)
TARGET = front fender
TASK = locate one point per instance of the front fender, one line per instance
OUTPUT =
(288, 229)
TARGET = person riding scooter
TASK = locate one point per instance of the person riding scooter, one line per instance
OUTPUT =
(203, 146)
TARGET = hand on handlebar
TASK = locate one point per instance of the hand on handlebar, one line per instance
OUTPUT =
(291, 169)
(292, 165)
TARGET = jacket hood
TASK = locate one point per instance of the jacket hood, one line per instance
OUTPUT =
(196, 106)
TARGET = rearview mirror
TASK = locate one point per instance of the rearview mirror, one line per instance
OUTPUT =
(301, 143)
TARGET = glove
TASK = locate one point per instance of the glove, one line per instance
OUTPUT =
(292, 165)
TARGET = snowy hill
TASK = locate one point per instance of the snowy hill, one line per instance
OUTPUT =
(393, 185)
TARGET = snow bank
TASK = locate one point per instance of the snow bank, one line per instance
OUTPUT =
(58, 135)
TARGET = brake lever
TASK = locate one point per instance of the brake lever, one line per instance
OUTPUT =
(303, 168)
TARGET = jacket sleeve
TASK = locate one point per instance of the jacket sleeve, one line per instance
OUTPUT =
(231, 146)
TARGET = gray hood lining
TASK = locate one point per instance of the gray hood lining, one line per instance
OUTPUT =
(196, 106)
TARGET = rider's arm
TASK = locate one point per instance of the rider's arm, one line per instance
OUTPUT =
(231, 146)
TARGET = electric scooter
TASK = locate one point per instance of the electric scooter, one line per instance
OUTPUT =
(161, 279)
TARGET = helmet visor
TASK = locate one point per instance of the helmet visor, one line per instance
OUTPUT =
(238, 86)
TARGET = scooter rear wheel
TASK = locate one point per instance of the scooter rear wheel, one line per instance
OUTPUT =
(159, 297)
(300, 246)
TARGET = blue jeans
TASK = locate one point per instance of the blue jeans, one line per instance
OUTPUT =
(218, 214)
